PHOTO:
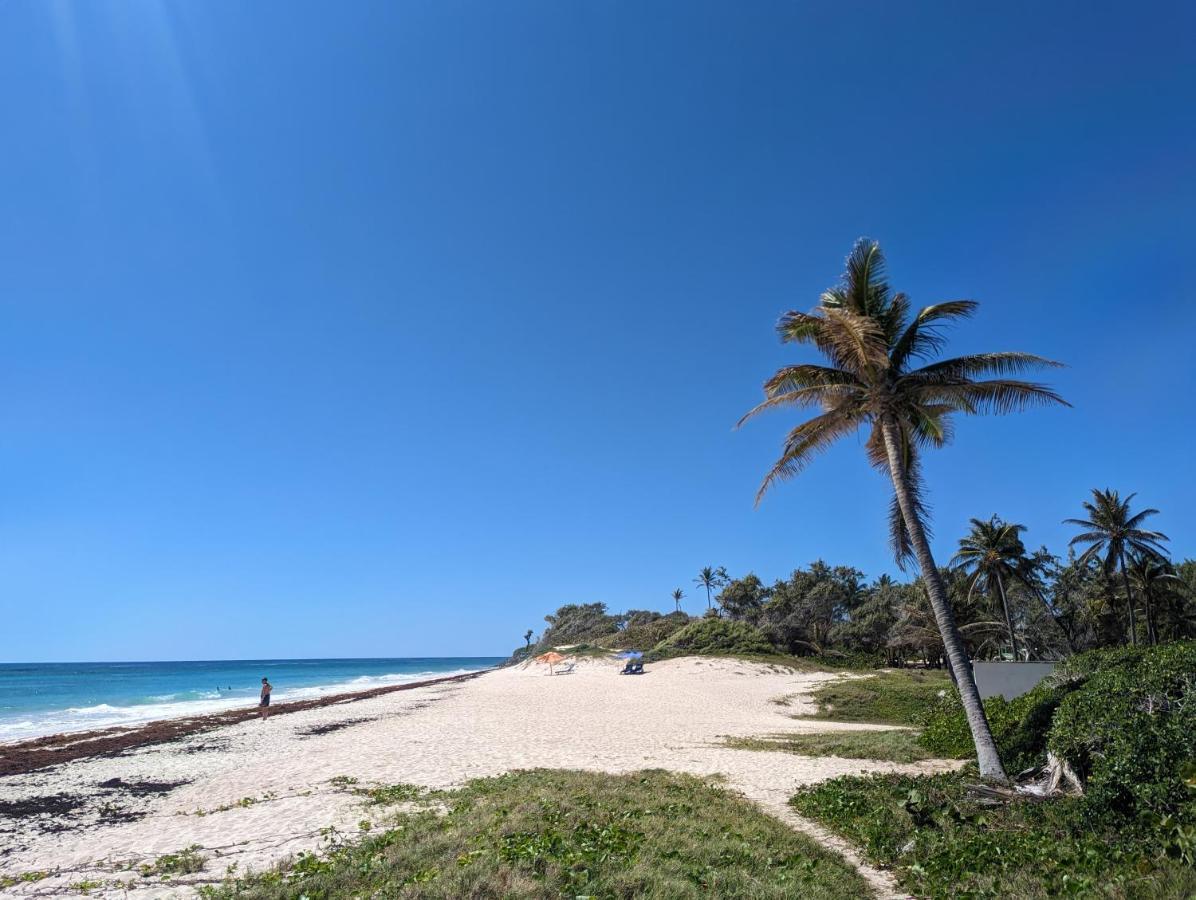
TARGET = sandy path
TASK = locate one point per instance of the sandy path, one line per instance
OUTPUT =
(440, 736)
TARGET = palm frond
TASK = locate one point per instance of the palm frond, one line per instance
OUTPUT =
(805, 385)
(805, 442)
(799, 327)
(900, 541)
(856, 342)
(1136, 520)
(997, 396)
(976, 364)
(921, 337)
(864, 278)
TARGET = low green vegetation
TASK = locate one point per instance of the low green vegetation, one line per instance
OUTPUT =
(890, 697)
(553, 834)
(7, 881)
(185, 862)
(645, 630)
(891, 744)
(1124, 721)
(712, 635)
(392, 793)
(941, 842)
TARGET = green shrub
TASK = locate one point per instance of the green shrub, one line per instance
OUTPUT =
(185, 862)
(575, 623)
(1019, 726)
(1124, 719)
(519, 654)
(644, 635)
(714, 636)
(942, 842)
(1130, 732)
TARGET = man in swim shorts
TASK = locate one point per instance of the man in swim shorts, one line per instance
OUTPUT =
(264, 704)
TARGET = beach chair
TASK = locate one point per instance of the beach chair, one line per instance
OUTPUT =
(566, 668)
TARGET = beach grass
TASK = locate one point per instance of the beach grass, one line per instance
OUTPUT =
(554, 833)
(893, 745)
(888, 697)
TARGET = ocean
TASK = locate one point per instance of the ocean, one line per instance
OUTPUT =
(47, 698)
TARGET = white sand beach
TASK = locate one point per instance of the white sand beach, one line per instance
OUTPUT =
(254, 793)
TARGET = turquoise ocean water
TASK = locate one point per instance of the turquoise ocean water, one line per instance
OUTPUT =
(47, 698)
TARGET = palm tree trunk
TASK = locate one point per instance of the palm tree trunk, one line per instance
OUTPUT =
(1151, 637)
(708, 606)
(987, 757)
(1129, 602)
(1008, 618)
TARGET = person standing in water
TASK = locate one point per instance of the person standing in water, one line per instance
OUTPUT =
(264, 704)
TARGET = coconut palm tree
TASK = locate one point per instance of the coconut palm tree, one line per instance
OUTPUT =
(1113, 531)
(711, 579)
(993, 555)
(677, 595)
(878, 376)
(1158, 586)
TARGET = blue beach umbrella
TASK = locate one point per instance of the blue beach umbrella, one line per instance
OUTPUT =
(630, 654)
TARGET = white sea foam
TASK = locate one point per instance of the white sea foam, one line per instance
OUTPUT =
(103, 715)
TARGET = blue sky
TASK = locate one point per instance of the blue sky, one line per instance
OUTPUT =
(385, 328)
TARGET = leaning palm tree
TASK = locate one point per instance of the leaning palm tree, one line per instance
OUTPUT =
(874, 347)
(991, 556)
(677, 595)
(711, 579)
(1112, 530)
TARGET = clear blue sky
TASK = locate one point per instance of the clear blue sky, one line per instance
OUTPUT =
(385, 328)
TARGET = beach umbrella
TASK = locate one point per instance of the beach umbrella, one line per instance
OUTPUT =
(630, 654)
(551, 658)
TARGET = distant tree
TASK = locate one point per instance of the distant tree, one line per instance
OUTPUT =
(1113, 531)
(577, 623)
(742, 598)
(527, 637)
(1037, 574)
(992, 555)
(677, 596)
(866, 332)
(1161, 591)
(1186, 614)
(800, 613)
(712, 579)
(871, 615)
(639, 617)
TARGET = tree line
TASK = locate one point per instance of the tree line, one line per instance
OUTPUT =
(1007, 602)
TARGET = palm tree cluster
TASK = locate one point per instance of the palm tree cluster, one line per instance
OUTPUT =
(1114, 532)
(1008, 603)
